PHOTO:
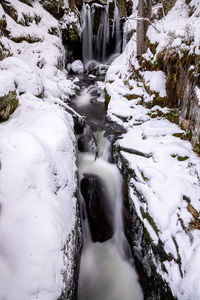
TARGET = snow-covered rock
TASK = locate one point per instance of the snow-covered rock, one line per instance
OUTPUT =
(77, 67)
(163, 175)
(40, 235)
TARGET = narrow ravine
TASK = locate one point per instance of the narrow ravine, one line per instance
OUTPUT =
(107, 268)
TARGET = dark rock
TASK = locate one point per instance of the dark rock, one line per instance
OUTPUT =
(55, 8)
(144, 251)
(85, 143)
(98, 207)
(9, 9)
(72, 41)
(28, 2)
(79, 125)
(99, 70)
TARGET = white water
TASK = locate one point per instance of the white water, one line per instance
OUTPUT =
(87, 47)
(105, 272)
(83, 99)
(95, 48)
(104, 275)
(116, 29)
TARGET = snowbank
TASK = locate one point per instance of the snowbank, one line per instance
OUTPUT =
(163, 175)
(39, 219)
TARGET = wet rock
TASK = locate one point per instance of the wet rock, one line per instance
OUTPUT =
(99, 70)
(8, 104)
(71, 41)
(55, 8)
(98, 207)
(79, 125)
(85, 144)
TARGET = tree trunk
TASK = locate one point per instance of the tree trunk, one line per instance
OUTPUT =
(144, 12)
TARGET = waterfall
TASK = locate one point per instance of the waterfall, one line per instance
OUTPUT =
(116, 31)
(103, 35)
(99, 46)
(106, 268)
(87, 34)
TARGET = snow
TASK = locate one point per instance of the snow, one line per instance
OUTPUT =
(156, 80)
(38, 162)
(77, 67)
(166, 168)
(36, 199)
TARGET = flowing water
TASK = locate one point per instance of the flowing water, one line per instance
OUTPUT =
(101, 40)
(106, 271)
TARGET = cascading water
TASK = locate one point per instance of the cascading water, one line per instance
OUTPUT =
(106, 269)
(87, 47)
(99, 44)
(116, 31)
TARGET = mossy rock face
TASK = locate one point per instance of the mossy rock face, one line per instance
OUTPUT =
(9, 9)
(54, 7)
(168, 4)
(8, 104)
(26, 38)
(122, 8)
(72, 41)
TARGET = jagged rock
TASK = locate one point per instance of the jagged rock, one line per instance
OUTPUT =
(9, 9)
(98, 208)
(8, 104)
(56, 8)
(28, 2)
(99, 70)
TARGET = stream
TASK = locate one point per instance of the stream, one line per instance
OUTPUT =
(107, 267)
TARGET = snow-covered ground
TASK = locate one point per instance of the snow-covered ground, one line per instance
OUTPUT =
(38, 208)
(167, 171)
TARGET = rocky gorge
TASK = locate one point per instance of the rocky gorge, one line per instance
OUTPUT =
(50, 51)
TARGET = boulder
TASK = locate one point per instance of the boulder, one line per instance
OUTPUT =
(98, 208)
(77, 67)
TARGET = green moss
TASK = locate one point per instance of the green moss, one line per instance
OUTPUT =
(179, 158)
(144, 177)
(178, 260)
(26, 38)
(185, 136)
(8, 104)
(107, 97)
(147, 216)
(171, 88)
(147, 235)
(172, 115)
(131, 96)
(196, 148)
(151, 46)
